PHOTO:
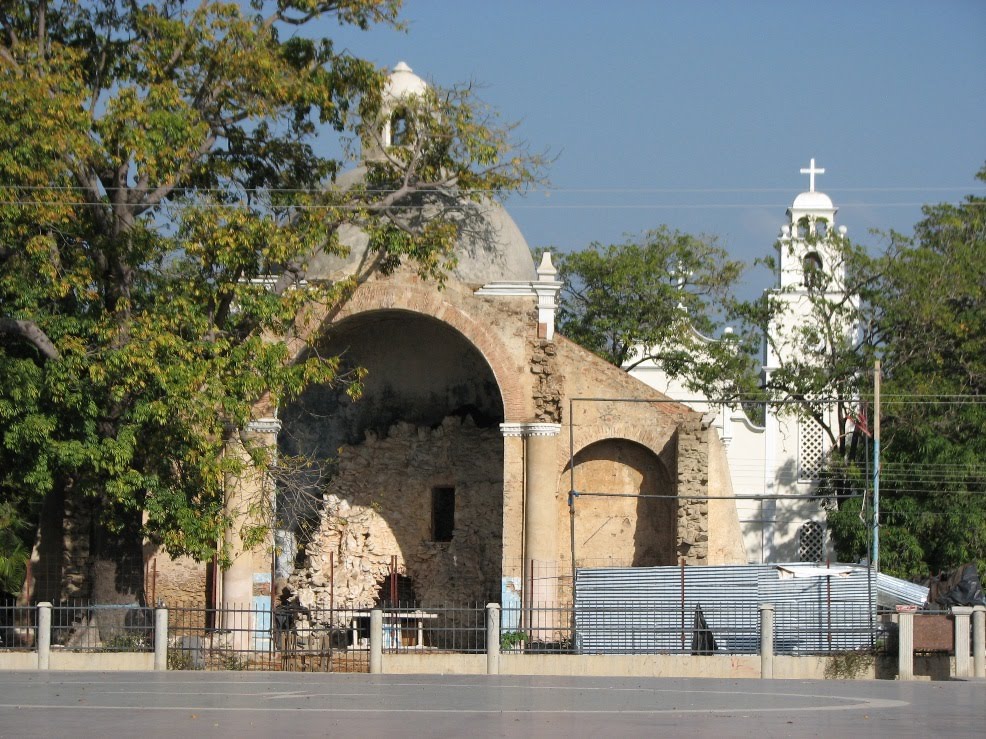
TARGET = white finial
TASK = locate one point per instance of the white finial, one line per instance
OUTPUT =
(811, 171)
(546, 270)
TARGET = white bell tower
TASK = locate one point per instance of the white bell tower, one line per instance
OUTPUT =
(807, 261)
(809, 269)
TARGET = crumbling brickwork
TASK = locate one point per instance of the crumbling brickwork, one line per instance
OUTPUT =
(379, 504)
(546, 391)
(693, 480)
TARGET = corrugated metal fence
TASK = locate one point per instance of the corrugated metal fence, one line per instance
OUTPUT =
(716, 609)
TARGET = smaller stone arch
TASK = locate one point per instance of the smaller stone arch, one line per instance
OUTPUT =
(626, 513)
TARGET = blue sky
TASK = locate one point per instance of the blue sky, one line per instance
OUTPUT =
(699, 115)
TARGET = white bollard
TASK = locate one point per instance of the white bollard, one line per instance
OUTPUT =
(961, 615)
(376, 641)
(160, 638)
(905, 646)
(44, 635)
(767, 640)
(492, 638)
(979, 641)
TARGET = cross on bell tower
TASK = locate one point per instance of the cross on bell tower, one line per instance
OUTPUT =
(811, 171)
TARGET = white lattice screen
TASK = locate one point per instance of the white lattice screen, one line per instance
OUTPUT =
(811, 542)
(811, 451)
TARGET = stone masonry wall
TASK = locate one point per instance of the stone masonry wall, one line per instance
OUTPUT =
(547, 382)
(379, 504)
(693, 480)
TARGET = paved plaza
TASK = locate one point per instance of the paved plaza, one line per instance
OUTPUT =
(206, 704)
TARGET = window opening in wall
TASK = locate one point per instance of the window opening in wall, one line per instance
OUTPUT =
(811, 542)
(442, 513)
(396, 590)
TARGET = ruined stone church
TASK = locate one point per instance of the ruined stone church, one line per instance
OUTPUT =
(487, 455)
(476, 423)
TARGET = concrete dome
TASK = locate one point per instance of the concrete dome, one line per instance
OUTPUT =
(403, 83)
(812, 201)
(490, 247)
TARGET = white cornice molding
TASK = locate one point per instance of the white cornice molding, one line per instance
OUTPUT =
(530, 429)
(264, 426)
(507, 289)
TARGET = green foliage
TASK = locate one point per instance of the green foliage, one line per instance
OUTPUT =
(511, 639)
(14, 551)
(649, 299)
(161, 192)
(848, 665)
(932, 300)
(181, 659)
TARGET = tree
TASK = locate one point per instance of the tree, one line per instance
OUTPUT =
(933, 455)
(821, 360)
(650, 299)
(161, 189)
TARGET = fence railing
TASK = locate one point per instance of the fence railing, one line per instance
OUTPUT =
(18, 627)
(354, 639)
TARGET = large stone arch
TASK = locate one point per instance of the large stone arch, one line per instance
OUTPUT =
(426, 427)
(427, 301)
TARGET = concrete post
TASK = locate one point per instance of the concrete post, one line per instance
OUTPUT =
(905, 646)
(44, 635)
(979, 641)
(376, 641)
(160, 638)
(961, 615)
(767, 641)
(492, 638)
(540, 526)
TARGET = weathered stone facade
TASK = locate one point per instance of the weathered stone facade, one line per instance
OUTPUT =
(547, 382)
(379, 505)
(693, 480)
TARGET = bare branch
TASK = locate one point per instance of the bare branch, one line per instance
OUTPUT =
(30, 332)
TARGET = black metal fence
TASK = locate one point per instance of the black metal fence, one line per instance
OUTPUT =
(338, 639)
(286, 639)
(18, 626)
(88, 627)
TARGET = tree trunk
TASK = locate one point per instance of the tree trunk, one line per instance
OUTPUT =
(117, 578)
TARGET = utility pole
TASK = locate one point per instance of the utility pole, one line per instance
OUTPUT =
(876, 466)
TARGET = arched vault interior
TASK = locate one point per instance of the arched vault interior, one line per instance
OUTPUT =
(416, 463)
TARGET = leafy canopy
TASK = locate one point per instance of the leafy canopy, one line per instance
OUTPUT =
(162, 187)
(651, 299)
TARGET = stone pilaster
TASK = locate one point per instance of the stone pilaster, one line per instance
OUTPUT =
(246, 495)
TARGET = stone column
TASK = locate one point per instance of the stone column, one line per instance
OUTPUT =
(905, 646)
(160, 638)
(376, 641)
(540, 527)
(249, 571)
(961, 615)
(979, 641)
